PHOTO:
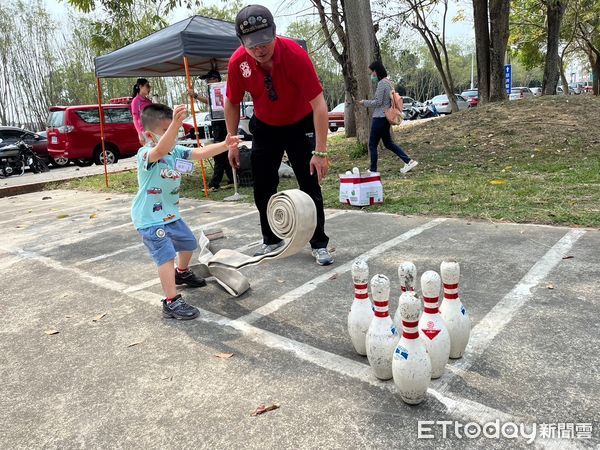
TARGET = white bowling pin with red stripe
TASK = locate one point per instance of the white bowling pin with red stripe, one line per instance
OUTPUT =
(453, 311)
(411, 366)
(432, 327)
(382, 335)
(407, 272)
(361, 312)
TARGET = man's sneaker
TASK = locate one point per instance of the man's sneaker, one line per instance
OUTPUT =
(412, 163)
(322, 256)
(179, 309)
(265, 249)
(190, 278)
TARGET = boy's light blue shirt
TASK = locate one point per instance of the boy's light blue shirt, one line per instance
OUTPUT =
(157, 200)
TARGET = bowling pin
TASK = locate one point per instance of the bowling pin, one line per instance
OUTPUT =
(432, 328)
(382, 335)
(411, 366)
(361, 312)
(452, 310)
(407, 272)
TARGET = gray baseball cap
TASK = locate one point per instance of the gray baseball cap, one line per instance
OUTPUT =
(254, 26)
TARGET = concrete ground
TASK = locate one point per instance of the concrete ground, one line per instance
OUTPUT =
(117, 375)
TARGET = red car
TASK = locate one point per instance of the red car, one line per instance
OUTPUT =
(471, 96)
(336, 117)
(74, 133)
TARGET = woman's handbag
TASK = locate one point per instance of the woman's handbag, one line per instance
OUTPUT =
(394, 112)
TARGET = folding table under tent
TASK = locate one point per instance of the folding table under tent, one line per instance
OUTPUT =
(190, 47)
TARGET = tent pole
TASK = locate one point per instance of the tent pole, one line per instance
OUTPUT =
(190, 86)
(101, 114)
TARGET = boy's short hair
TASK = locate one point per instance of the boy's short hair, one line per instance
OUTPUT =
(155, 113)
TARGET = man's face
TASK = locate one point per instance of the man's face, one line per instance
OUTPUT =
(262, 53)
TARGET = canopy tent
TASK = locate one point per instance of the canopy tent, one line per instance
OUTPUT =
(190, 47)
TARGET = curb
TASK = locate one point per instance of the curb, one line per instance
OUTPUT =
(9, 191)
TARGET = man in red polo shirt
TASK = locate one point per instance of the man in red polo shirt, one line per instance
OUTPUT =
(290, 114)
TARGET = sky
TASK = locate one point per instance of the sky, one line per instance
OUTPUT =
(284, 14)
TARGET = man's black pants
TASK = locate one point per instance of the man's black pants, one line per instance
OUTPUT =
(219, 132)
(268, 144)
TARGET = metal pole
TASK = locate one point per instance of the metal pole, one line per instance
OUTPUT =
(193, 108)
(101, 113)
(472, 61)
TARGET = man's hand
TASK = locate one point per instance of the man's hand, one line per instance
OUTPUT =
(319, 165)
(234, 157)
(232, 141)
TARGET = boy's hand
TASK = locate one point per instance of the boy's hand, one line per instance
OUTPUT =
(232, 141)
(191, 92)
(179, 114)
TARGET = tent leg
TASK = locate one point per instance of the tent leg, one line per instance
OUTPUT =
(189, 83)
(101, 114)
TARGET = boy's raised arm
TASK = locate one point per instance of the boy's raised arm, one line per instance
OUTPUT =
(167, 140)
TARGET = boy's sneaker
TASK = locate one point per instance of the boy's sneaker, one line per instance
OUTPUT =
(190, 278)
(265, 249)
(412, 163)
(322, 256)
(179, 309)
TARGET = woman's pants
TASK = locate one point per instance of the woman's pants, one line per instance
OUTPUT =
(380, 129)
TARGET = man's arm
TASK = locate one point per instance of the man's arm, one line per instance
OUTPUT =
(232, 120)
(319, 162)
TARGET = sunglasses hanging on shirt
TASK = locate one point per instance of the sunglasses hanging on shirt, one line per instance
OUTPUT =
(270, 88)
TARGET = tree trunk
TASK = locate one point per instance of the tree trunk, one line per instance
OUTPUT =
(563, 77)
(554, 14)
(594, 58)
(482, 48)
(499, 13)
(361, 50)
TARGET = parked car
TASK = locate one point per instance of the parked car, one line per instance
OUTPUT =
(587, 87)
(336, 117)
(560, 90)
(536, 91)
(442, 104)
(74, 133)
(38, 141)
(203, 120)
(472, 97)
(518, 93)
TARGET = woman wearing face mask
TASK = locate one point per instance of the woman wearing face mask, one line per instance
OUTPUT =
(380, 128)
(140, 98)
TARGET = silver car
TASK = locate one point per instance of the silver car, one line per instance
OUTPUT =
(442, 104)
(518, 93)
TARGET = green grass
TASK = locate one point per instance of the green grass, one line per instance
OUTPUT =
(547, 170)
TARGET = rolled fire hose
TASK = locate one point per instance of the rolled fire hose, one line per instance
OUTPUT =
(292, 216)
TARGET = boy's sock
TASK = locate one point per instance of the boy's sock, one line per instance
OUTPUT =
(169, 300)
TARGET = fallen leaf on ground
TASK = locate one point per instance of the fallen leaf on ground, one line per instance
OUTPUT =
(331, 249)
(93, 216)
(108, 198)
(170, 378)
(497, 182)
(334, 276)
(46, 198)
(263, 409)
(568, 257)
(281, 281)
(223, 355)
(62, 216)
(68, 317)
(550, 286)
(133, 344)
(51, 332)
(99, 317)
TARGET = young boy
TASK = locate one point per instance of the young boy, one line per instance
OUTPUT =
(155, 209)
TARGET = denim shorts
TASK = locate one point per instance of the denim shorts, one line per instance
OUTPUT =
(164, 241)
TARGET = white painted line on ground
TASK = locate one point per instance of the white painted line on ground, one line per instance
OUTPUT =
(334, 215)
(503, 312)
(98, 230)
(134, 246)
(84, 209)
(453, 406)
(309, 286)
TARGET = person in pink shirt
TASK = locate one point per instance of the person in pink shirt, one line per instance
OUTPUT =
(139, 100)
